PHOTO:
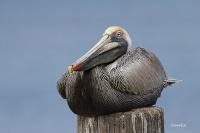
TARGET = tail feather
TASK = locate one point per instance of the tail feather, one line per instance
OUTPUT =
(172, 81)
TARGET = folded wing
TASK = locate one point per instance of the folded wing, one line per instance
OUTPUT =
(138, 72)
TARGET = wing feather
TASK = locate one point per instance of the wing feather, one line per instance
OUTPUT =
(138, 72)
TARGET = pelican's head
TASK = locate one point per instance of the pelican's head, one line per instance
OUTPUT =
(113, 44)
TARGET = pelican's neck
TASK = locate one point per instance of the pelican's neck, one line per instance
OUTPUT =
(116, 62)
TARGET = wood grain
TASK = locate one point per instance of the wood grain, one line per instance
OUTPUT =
(141, 120)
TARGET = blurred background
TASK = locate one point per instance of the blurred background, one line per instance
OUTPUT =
(40, 38)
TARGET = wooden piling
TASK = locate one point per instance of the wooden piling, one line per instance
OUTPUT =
(141, 120)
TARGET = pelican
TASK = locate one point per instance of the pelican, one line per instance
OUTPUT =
(111, 77)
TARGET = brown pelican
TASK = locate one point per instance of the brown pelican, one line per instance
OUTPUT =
(112, 77)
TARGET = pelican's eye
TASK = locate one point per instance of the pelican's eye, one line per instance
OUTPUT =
(119, 34)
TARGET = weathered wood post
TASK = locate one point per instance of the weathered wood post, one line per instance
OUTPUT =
(141, 120)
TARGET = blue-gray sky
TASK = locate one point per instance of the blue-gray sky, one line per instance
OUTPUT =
(40, 38)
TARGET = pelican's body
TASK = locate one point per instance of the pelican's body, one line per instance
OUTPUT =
(132, 79)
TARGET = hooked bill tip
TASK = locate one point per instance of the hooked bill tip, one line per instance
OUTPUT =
(70, 69)
(74, 67)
